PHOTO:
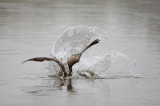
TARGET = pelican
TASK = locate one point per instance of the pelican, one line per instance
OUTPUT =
(67, 66)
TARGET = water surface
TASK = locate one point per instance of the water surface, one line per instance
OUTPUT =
(30, 28)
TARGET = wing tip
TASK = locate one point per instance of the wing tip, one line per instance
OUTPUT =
(24, 61)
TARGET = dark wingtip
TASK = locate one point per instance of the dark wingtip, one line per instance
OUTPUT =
(97, 40)
(94, 42)
(24, 61)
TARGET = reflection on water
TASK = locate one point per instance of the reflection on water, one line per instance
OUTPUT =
(53, 84)
(60, 83)
(30, 28)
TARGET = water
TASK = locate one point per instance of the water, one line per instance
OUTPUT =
(31, 28)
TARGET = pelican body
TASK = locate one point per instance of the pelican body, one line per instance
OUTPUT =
(67, 66)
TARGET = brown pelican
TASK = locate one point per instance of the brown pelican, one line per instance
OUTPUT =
(65, 67)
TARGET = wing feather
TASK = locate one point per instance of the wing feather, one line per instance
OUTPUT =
(76, 57)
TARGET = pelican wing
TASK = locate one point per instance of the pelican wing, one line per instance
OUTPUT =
(40, 59)
(76, 57)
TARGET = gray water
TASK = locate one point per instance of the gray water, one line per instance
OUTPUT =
(30, 29)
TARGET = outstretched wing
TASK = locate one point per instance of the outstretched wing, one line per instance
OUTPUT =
(76, 57)
(40, 59)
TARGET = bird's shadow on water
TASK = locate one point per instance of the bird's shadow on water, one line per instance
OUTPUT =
(64, 83)
(51, 85)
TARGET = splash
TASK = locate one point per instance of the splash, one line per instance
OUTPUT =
(115, 65)
(75, 39)
(104, 64)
